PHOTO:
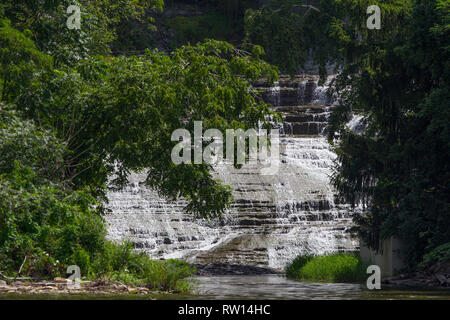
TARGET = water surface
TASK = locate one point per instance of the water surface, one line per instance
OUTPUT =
(263, 287)
(280, 288)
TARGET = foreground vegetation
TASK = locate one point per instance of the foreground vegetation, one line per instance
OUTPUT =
(327, 268)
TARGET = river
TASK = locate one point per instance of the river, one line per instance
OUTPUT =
(258, 287)
(278, 287)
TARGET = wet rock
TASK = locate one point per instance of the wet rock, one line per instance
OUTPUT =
(99, 287)
(232, 269)
(419, 280)
(442, 279)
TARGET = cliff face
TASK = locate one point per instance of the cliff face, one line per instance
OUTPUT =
(273, 219)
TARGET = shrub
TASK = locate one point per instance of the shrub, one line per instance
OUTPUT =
(45, 225)
(128, 266)
(293, 269)
(327, 268)
(440, 254)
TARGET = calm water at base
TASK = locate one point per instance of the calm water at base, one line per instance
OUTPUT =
(266, 287)
(279, 287)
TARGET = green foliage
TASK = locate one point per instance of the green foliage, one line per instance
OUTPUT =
(123, 111)
(289, 32)
(330, 31)
(40, 219)
(437, 256)
(116, 115)
(297, 264)
(188, 22)
(211, 24)
(397, 77)
(121, 263)
(45, 226)
(22, 142)
(398, 168)
(19, 61)
(285, 49)
(43, 220)
(328, 268)
(46, 21)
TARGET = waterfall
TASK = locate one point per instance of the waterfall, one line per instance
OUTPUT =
(356, 124)
(273, 218)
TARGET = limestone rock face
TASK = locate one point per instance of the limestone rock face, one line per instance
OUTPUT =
(273, 218)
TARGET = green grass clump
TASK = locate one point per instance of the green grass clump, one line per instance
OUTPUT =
(123, 264)
(327, 268)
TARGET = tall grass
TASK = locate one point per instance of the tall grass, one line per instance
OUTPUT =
(327, 268)
(119, 262)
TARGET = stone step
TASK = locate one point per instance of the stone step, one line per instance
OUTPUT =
(305, 117)
(287, 81)
(312, 108)
(290, 96)
(304, 128)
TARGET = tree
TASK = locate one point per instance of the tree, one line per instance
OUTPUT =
(398, 166)
(45, 21)
(19, 61)
(46, 227)
(117, 114)
(41, 222)
(398, 79)
(291, 30)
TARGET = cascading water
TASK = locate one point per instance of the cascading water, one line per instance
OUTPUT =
(356, 124)
(273, 218)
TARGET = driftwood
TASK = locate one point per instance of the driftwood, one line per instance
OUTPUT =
(21, 266)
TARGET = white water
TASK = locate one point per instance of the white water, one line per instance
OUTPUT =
(356, 124)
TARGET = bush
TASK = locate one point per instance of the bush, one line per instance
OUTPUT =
(327, 268)
(52, 230)
(121, 263)
(45, 225)
(292, 270)
(437, 256)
